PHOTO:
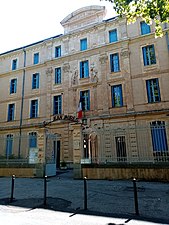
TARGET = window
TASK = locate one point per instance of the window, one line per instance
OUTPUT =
(85, 99)
(58, 75)
(57, 51)
(11, 112)
(9, 145)
(153, 90)
(121, 149)
(33, 140)
(117, 96)
(57, 105)
(34, 108)
(113, 35)
(13, 86)
(145, 28)
(159, 141)
(149, 55)
(35, 81)
(14, 64)
(36, 58)
(84, 69)
(114, 62)
(83, 44)
(86, 150)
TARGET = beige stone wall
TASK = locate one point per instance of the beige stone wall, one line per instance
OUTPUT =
(132, 76)
(150, 174)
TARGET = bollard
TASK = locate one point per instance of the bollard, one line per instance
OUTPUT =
(85, 193)
(12, 188)
(135, 197)
(45, 189)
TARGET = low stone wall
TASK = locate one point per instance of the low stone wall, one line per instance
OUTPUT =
(150, 173)
(21, 172)
(18, 172)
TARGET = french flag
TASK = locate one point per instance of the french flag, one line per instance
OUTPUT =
(79, 111)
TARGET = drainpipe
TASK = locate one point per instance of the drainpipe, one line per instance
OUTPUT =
(166, 34)
(167, 39)
(22, 101)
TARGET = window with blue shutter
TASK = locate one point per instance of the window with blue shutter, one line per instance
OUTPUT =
(33, 140)
(9, 145)
(149, 55)
(84, 69)
(57, 51)
(36, 58)
(14, 64)
(114, 62)
(83, 44)
(113, 36)
(13, 86)
(35, 81)
(34, 108)
(145, 28)
(117, 96)
(153, 90)
(58, 75)
(85, 99)
(11, 112)
(57, 104)
(159, 137)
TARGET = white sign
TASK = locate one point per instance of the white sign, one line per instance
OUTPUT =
(33, 155)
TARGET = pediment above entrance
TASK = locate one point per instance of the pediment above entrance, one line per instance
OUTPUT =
(83, 18)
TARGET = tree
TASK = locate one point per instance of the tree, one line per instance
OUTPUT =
(148, 10)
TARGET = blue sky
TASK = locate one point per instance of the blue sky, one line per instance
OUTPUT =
(23, 22)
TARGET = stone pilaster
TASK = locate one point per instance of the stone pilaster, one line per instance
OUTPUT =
(66, 71)
(127, 75)
(103, 95)
(77, 150)
(133, 140)
(49, 72)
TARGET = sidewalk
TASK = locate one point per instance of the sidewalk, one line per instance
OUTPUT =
(108, 202)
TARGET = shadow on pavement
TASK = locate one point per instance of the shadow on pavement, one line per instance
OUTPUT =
(62, 205)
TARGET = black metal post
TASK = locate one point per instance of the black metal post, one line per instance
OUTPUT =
(45, 189)
(135, 197)
(85, 193)
(12, 188)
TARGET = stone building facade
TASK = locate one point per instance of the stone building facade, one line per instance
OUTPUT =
(119, 71)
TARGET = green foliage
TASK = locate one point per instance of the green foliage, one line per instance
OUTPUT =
(148, 10)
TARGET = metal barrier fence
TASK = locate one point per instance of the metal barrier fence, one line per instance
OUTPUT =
(112, 144)
(27, 148)
(107, 144)
(132, 197)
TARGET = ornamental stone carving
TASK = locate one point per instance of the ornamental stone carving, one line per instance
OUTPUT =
(49, 71)
(66, 67)
(93, 72)
(103, 59)
(75, 77)
(125, 53)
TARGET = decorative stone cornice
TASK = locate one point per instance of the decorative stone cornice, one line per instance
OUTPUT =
(83, 17)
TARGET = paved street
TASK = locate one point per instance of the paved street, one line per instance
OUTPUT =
(108, 202)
